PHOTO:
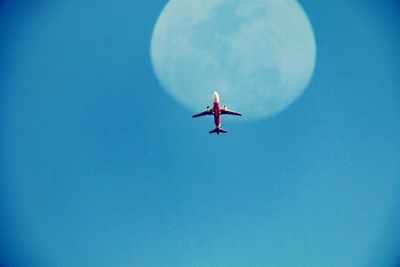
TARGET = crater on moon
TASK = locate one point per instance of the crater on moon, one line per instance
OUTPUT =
(259, 55)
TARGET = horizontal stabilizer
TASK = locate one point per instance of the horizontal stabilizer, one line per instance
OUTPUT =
(218, 130)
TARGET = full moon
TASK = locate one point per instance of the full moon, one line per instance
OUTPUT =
(259, 54)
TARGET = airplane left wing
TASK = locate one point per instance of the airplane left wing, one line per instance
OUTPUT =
(205, 113)
(230, 112)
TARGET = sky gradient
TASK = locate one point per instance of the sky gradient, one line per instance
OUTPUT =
(101, 167)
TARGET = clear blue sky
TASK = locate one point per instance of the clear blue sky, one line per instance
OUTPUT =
(101, 167)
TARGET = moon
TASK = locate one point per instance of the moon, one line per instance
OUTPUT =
(259, 55)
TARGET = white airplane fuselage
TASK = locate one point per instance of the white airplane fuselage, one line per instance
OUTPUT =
(217, 111)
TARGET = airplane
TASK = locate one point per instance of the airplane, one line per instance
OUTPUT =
(217, 111)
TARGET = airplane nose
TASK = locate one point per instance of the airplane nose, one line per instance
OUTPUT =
(216, 97)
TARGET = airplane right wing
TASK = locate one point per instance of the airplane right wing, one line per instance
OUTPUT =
(230, 112)
(205, 113)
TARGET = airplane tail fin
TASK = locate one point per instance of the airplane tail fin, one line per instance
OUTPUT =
(218, 130)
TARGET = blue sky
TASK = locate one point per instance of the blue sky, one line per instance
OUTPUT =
(101, 167)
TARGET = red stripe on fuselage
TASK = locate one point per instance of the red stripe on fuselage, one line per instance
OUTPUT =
(217, 118)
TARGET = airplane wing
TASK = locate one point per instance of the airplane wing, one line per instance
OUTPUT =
(207, 112)
(230, 112)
